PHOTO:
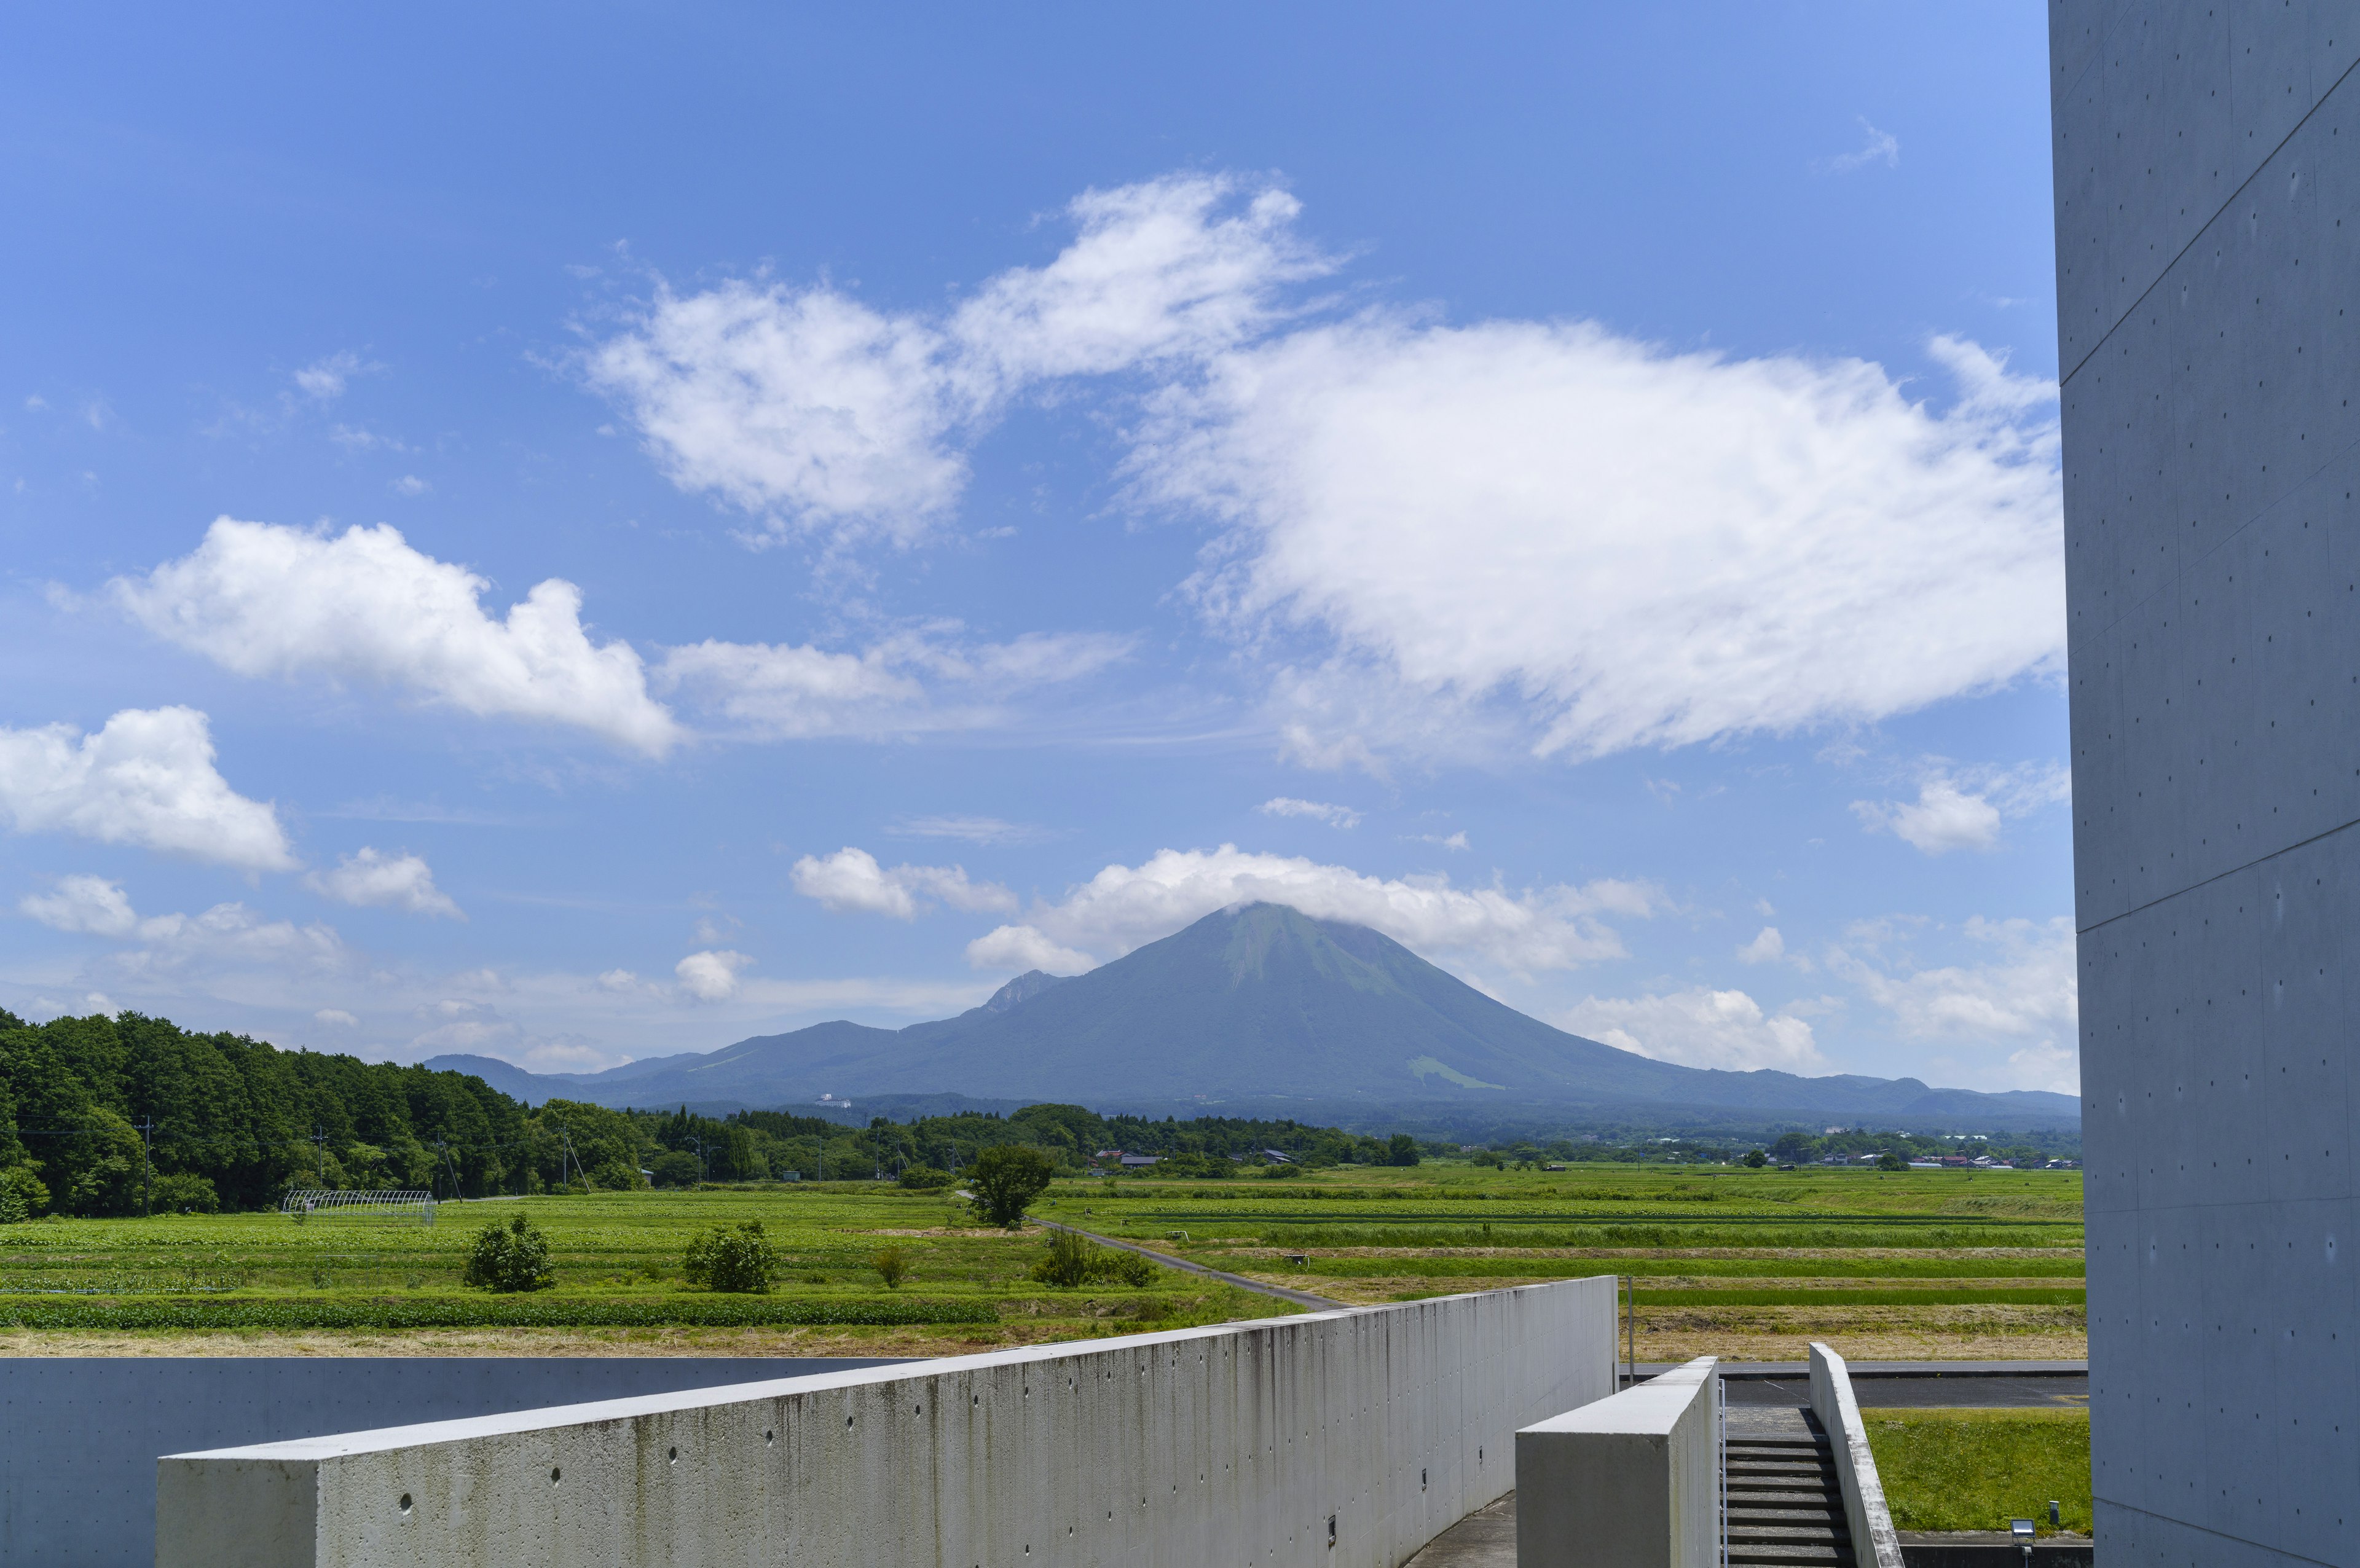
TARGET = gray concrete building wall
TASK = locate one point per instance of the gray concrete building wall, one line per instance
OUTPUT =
(1342, 1439)
(78, 1466)
(2207, 161)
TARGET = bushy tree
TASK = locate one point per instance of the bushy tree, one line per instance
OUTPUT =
(184, 1193)
(892, 1266)
(675, 1168)
(1891, 1162)
(514, 1256)
(1401, 1150)
(738, 1260)
(1755, 1159)
(1006, 1181)
(22, 1195)
(925, 1179)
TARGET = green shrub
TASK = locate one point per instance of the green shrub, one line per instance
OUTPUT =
(183, 1193)
(22, 1195)
(1401, 1150)
(1130, 1269)
(1006, 1179)
(738, 1261)
(892, 1266)
(1280, 1172)
(1755, 1159)
(514, 1256)
(1072, 1261)
(925, 1178)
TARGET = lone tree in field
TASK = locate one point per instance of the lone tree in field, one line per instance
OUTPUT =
(514, 1256)
(1006, 1179)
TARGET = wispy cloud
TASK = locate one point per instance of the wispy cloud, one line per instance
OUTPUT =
(1878, 147)
(1335, 816)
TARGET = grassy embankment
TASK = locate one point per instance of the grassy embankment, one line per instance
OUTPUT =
(1978, 1469)
(1745, 1264)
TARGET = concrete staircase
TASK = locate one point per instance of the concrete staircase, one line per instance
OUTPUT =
(1783, 1500)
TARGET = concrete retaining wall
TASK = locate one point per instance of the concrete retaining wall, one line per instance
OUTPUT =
(78, 1470)
(1876, 1543)
(1630, 1482)
(1345, 1439)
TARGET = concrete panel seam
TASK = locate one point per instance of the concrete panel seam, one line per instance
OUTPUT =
(2067, 375)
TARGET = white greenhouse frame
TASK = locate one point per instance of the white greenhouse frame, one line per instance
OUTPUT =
(400, 1204)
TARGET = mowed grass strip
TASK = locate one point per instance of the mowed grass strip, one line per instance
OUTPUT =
(490, 1311)
(1679, 1267)
(1971, 1469)
(1960, 1237)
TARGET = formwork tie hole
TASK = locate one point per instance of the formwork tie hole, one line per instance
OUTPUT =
(406, 1504)
(671, 1456)
(769, 1438)
(555, 1475)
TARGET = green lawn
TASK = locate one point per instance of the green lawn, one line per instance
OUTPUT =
(1978, 1469)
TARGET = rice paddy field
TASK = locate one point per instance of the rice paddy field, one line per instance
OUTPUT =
(1751, 1265)
(263, 1284)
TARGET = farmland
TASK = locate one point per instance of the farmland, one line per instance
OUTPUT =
(1746, 1264)
(1750, 1265)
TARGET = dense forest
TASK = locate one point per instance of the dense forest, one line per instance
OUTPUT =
(111, 1115)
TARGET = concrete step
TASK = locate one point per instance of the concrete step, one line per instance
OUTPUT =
(1795, 1514)
(1773, 1556)
(1820, 1535)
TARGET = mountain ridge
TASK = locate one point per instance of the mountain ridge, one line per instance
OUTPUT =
(1256, 1003)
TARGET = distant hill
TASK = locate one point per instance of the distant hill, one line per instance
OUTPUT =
(1263, 1006)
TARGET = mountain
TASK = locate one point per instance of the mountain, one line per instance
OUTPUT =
(1258, 1006)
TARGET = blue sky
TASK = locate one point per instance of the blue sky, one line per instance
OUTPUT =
(579, 534)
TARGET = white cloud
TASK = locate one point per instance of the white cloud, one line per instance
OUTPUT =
(1878, 147)
(1317, 810)
(325, 378)
(362, 605)
(1123, 906)
(619, 980)
(385, 881)
(90, 904)
(1023, 948)
(1963, 809)
(410, 484)
(1766, 948)
(2023, 994)
(814, 411)
(232, 937)
(851, 879)
(336, 1018)
(1700, 1027)
(1448, 840)
(147, 778)
(773, 692)
(712, 976)
(972, 830)
(1610, 544)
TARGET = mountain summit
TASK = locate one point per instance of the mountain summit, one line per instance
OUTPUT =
(1259, 1004)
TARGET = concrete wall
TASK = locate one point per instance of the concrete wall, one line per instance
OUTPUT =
(1876, 1543)
(78, 1469)
(2208, 234)
(1345, 1439)
(1628, 1482)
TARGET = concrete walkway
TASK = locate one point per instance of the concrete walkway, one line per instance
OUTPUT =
(1301, 1298)
(1485, 1539)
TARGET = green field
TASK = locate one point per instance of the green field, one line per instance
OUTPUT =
(617, 1262)
(1751, 1265)
(1725, 1260)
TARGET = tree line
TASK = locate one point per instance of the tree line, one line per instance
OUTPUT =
(106, 1115)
